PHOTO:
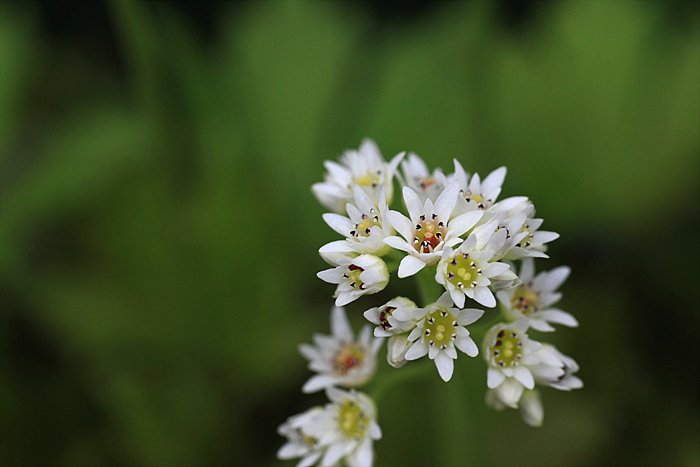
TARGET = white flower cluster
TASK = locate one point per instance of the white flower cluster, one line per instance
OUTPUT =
(458, 236)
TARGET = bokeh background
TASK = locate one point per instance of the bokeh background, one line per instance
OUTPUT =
(158, 235)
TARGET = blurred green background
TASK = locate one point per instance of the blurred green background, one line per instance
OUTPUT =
(158, 235)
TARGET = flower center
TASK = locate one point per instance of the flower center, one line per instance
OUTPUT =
(428, 234)
(525, 300)
(384, 317)
(425, 183)
(349, 356)
(371, 179)
(508, 349)
(310, 441)
(478, 198)
(352, 421)
(368, 221)
(354, 275)
(440, 328)
(527, 241)
(462, 271)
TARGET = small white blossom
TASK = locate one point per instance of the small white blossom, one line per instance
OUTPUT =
(533, 244)
(365, 228)
(417, 177)
(394, 317)
(475, 193)
(340, 359)
(394, 320)
(530, 405)
(346, 428)
(533, 298)
(467, 272)
(439, 331)
(363, 275)
(556, 369)
(509, 353)
(365, 167)
(429, 228)
(299, 442)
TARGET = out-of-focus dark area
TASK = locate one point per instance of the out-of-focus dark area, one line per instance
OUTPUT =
(158, 236)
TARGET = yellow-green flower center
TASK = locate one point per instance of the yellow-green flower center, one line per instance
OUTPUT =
(384, 317)
(440, 328)
(352, 421)
(507, 351)
(462, 271)
(354, 275)
(524, 300)
(310, 441)
(364, 227)
(349, 356)
(527, 241)
(371, 179)
(478, 198)
(429, 233)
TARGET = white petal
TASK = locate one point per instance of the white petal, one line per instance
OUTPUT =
(494, 378)
(467, 345)
(399, 244)
(531, 408)
(484, 296)
(374, 431)
(445, 366)
(494, 180)
(309, 352)
(418, 350)
(409, 266)
(402, 224)
(334, 453)
(447, 200)
(509, 392)
(527, 270)
(291, 450)
(462, 223)
(309, 460)
(332, 276)
(340, 224)
(364, 454)
(318, 382)
(340, 326)
(524, 375)
(413, 204)
(556, 278)
(560, 317)
(469, 315)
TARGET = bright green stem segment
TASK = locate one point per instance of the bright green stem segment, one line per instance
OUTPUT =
(428, 289)
(396, 376)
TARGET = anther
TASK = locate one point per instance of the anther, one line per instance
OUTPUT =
(443, 347)
(422, 217)
(434, 216)
(451, 276)
(455, 324)
(431, 342)
(474, 284)
(460, 285)
(443, 313)
(418, 226)
(427, 332)
(453, 336)
(441, 224)
(431, 320)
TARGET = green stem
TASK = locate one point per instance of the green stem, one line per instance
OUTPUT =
(410, 371)
(428, 289)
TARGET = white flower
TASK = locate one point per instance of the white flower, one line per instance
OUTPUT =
(394, 319)
(341, 359)
(509, 353)
(500, 233)
(477, 194)
(346, 428)
(429, 228)
(363, 275)
(365, 228)
(556, 369)
(417, 177)
(439, 331)
(365, 167)
(467, 272)
(532, 299)
(299, 442)
(530, 405)
(533, 243)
